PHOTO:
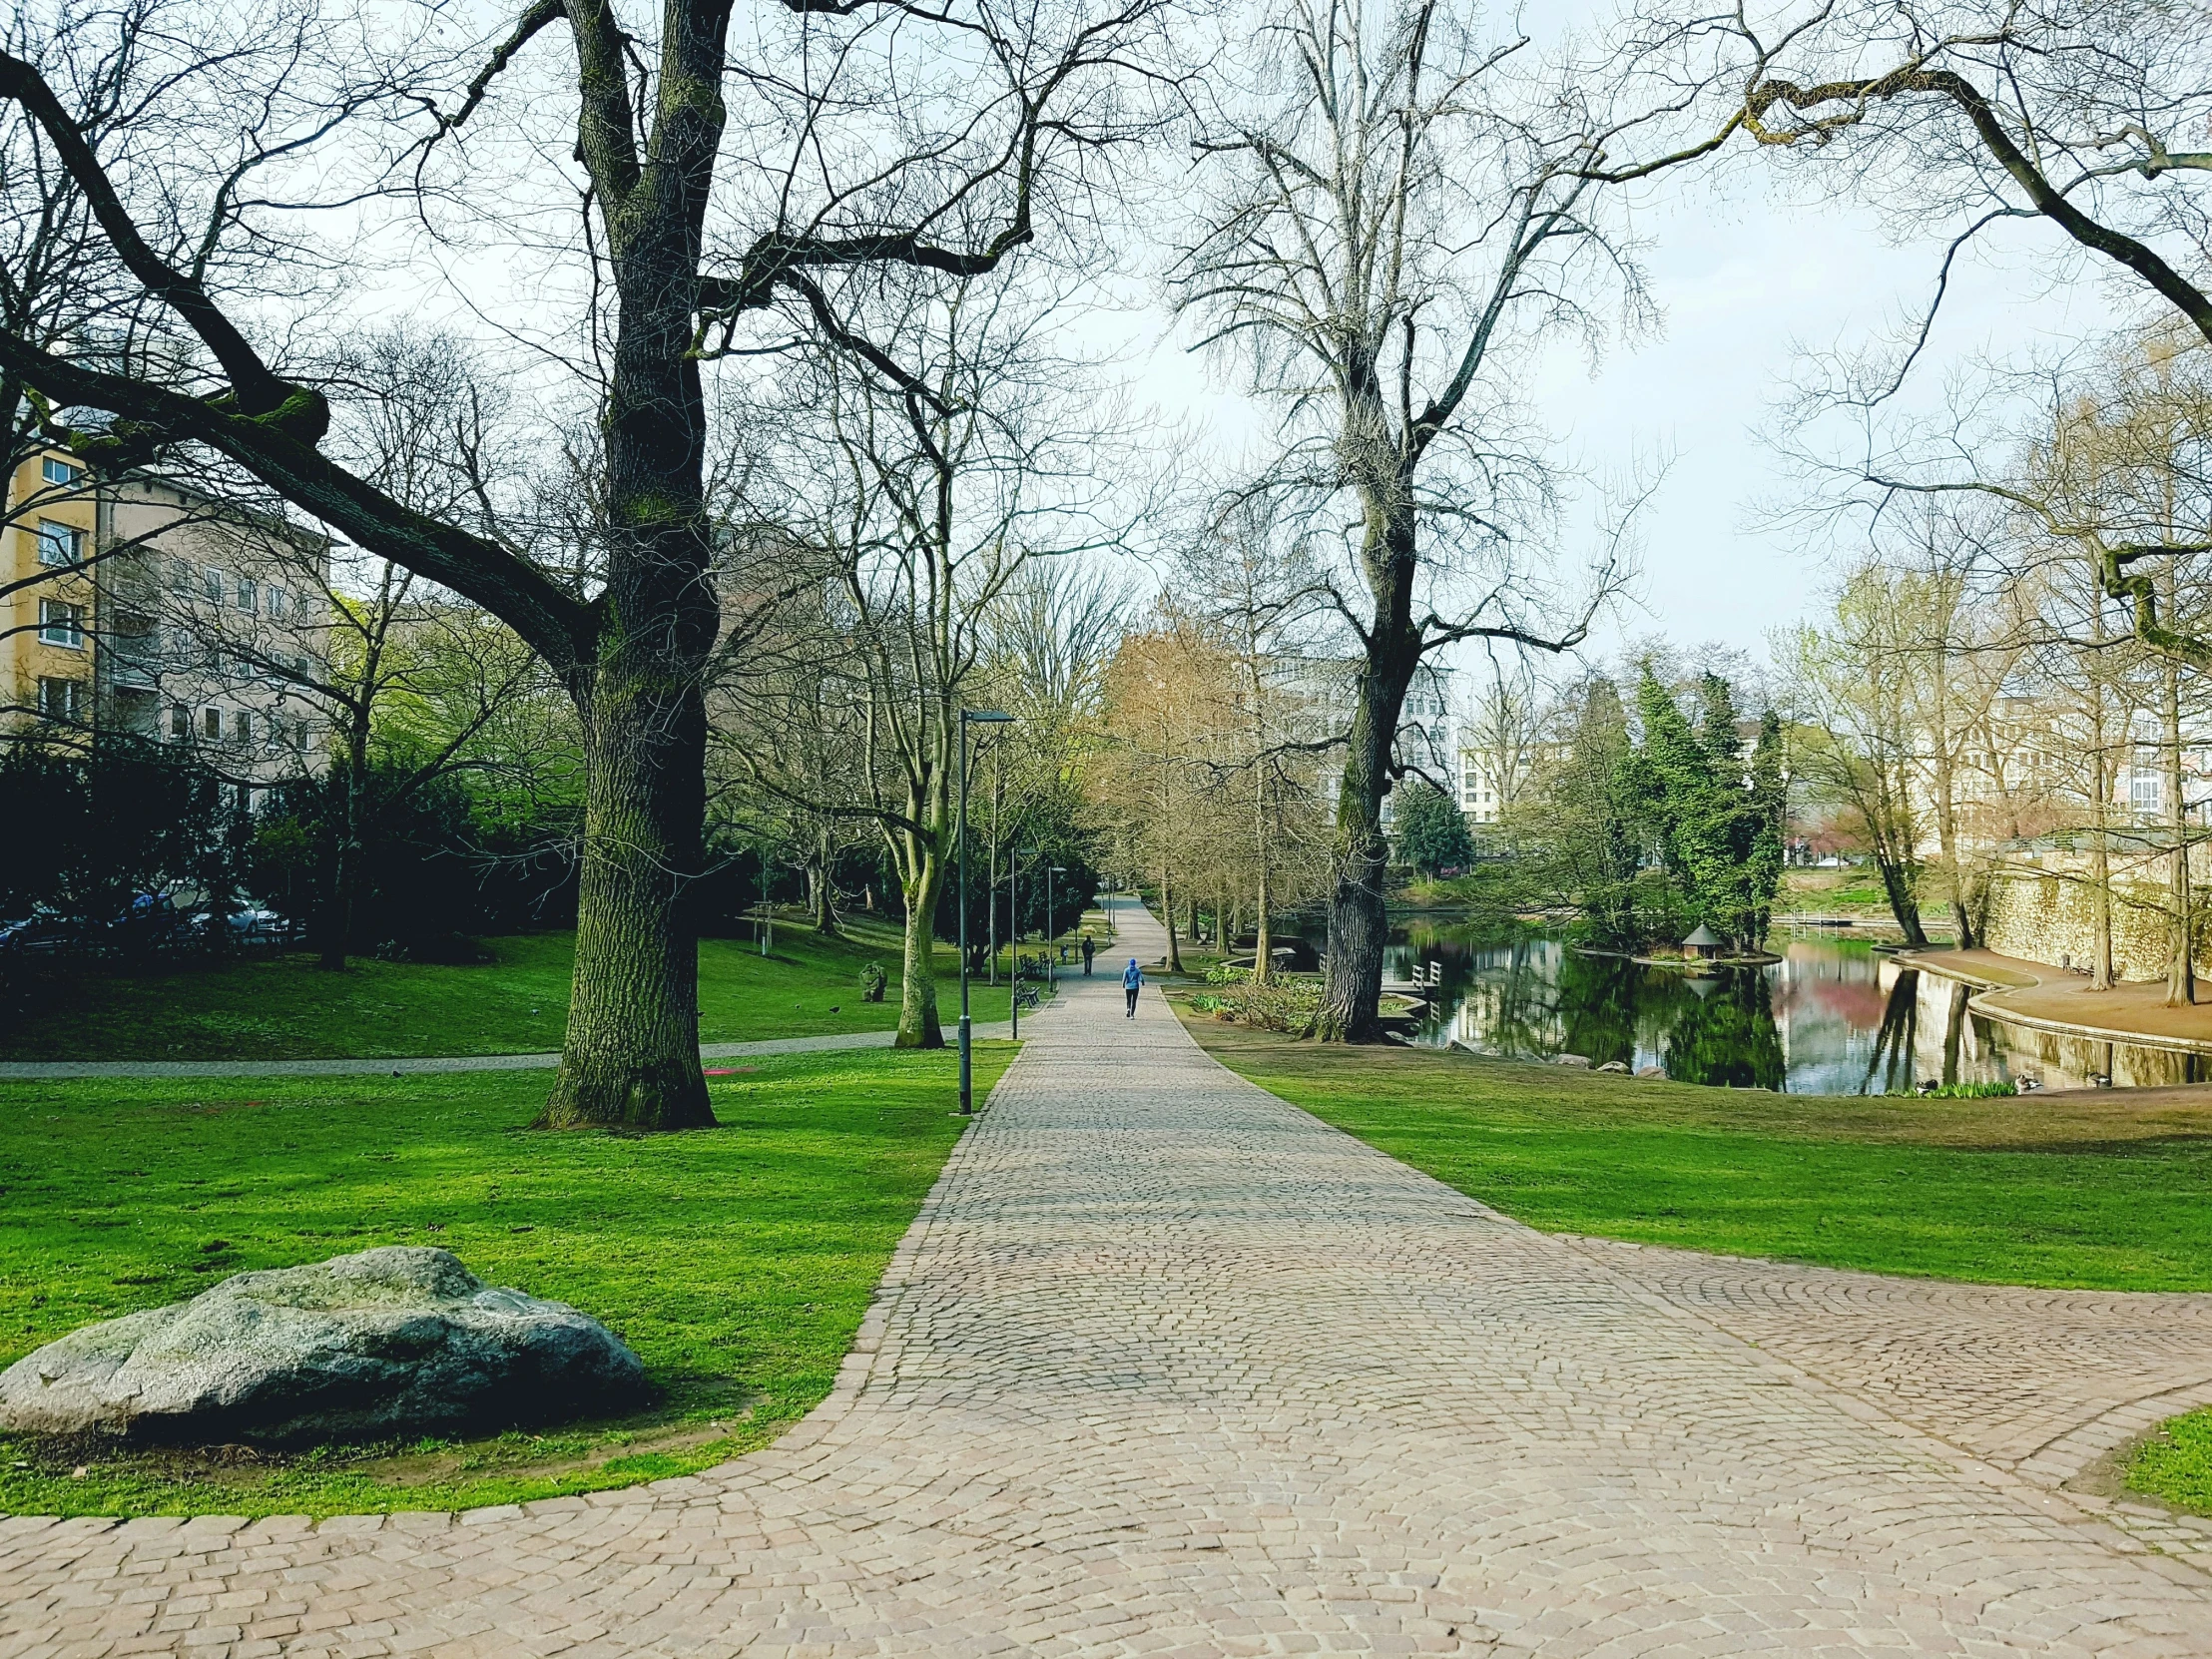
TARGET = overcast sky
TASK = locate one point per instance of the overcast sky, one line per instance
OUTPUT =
(1746, 285)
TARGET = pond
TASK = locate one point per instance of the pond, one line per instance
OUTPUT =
(1834, 1016)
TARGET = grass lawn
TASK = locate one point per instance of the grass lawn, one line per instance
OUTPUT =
(2104, 1190)
(285, 1008)
(2176, 1463)
(737, 1261)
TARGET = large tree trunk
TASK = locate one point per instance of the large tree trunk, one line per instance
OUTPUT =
(2100, 795)
(1946, 835)
(632, 1056)
(631, 1059)
(826, 921)
(1166, 914)
(1264, 944)
(919, 1026)
(334, 922)
(2181, 967)
(1358, 922)
(1902, 904)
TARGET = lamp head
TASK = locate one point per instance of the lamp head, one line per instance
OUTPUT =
(986, 716)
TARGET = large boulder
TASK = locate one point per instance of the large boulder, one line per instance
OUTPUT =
(397, 1341)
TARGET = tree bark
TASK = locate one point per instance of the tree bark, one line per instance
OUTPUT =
(336, 924)
(826, 921)
(1262, 963)
(919, 1025)
(631, 1058)
(1167, 913)
(1358, 920)
(2181, 967)
(2100, 795)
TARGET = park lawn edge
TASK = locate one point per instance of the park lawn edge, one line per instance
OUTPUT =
(668, 1440)
(284, 1007)
(2173, 1464)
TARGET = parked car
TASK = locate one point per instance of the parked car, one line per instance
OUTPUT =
(44, 929)
(149, 920)
(244, 927)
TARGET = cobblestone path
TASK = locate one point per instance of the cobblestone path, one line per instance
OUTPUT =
(1167, 1368)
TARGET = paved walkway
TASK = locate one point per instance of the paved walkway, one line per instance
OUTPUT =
(47, 1070)
(2045, 998)
(1168, 1367)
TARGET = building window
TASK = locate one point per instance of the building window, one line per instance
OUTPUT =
(299, 738)
(241, 727)
(63, 473)
(210, 724)
(60, 544)
(61, 699)
(277, 602)
(2146, 794)
(249, 595)
(179, 723)
(61, 624)
(214, 580)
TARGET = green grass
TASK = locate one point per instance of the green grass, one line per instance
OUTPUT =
(285, 1008)
(2176, 1463)
(2103, 1189)
(737, 1261)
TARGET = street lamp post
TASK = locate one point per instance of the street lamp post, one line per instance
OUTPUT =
(1013, 933)
(979, 717)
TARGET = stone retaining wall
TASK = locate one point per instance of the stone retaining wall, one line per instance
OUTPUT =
(2046, 917)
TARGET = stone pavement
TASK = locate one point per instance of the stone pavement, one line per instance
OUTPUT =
(1168, 1367)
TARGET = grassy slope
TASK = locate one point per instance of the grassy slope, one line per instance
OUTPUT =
(279, 1008)
(2104, 1190)
(737, 1261)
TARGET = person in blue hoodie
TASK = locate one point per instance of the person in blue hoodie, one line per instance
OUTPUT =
(1132, 981)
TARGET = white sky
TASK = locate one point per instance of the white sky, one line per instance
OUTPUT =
(1746, 286)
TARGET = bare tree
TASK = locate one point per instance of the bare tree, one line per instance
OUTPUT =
(1260, 594)
(1960, 115)
(711, 180)
(1396, 212)
(938, 447)
(1855, 688)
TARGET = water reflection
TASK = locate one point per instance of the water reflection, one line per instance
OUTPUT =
(1833, 1017)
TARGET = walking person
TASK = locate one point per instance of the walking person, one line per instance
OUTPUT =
(1132, 981)
(1088, 948)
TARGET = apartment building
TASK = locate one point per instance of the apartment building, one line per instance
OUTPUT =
(1317, 697)
(156, 612)
(48, 601)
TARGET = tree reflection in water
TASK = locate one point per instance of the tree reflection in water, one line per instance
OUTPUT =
(1835, 1017)
(1889, 1062)
(1725, 1035)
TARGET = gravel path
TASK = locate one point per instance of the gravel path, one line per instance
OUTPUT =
(1166, 1366)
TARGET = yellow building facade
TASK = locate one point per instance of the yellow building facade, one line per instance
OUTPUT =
(49, 600)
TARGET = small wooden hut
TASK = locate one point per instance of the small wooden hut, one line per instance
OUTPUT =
(1704, 944)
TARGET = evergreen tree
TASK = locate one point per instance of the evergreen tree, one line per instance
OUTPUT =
(1719, 822)
(1431, 831)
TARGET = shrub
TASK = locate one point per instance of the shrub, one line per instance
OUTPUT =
(1286, 1005)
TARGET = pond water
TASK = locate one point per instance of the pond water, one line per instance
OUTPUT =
(1834, 1016)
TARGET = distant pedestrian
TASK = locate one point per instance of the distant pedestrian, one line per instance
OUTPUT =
(1132, 981)
(1088, 948)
